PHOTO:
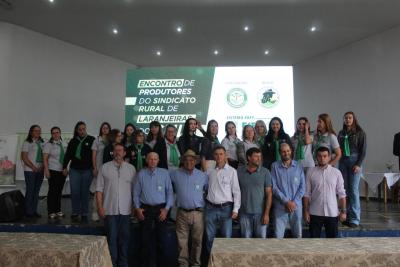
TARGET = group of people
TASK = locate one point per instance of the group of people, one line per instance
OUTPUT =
(267, 173)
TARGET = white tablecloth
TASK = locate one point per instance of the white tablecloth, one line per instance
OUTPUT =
(373, 179)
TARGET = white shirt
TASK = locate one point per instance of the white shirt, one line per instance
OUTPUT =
(322, 186)
(54, 150)
(116, 183)
(223, 186)
(31, 149)
(230, 144)
(308, 160)
(98, 146)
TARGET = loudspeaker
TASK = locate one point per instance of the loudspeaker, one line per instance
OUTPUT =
(12, 206)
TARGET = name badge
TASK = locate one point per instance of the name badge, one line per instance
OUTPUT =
(160, 188)
(197, 187)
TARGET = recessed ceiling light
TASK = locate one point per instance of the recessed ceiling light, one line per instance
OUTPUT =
(216, 52)
(266, 52)
(179, 29)
(115, 31)
(246, 28)
(158, 53)
(313, 29)
(51, 1)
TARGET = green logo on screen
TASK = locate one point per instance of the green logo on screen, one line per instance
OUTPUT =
(236, 98)
(268, 97)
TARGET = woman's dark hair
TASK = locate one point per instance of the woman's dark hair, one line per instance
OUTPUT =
(281, 133)
(185, 131)
(112, 135)
(150, 136)
(302, 119)
(126, 139)
(102, 125)
(208, 133)
(51, 131)
(355, 127)
(29, 137)
(226, 127)
(79, 123)
(136, 133)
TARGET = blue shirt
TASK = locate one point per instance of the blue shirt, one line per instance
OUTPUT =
(189, 188)
(288, 183)
(153, 188)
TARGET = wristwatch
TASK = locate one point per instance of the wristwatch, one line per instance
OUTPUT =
(343, 210)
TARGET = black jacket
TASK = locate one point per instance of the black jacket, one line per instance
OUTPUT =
(161, 149)
(85, 162)
(396, 145)
(268, 150)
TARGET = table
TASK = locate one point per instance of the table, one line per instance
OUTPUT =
(374, 179)
(43, 249)
(306, 252)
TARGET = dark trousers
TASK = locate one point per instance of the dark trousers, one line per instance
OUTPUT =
(153, 237)
(118, 236)
(330, 224)
(56, 184)
(33, 182)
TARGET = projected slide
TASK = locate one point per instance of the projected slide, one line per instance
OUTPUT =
(239, 94)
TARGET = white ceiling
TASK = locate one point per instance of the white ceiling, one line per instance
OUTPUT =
(145, 26)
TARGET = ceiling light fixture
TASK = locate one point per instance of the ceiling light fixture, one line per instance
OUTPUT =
(313, 29)
(158, 53)
(115, 31)
(266, 52)
(246, 28)
(179, 29)
(216, 52)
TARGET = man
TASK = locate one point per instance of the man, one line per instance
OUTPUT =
(256, 195)
(189, 184)
(223, 198)
(288, 188)
(152, 197)
(396, 146)
(324, 182)
(114, 202)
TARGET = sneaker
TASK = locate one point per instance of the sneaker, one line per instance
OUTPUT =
(95, 217)
(52, 216)
(60, 214)
(353, 225)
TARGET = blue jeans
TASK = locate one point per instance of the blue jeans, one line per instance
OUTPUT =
(282, 218)
(251, 226)
(33, 182)
(217, 216)
(80, 181)
(118, 235)
(351, 184)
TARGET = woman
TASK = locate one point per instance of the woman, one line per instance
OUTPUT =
(32, 159)
(98, 147)
(302, 144)
(230, 142)
(53, 159)
(114, 137)
(79, 153)
(272, 142)
(208, 143)
(353, 144)
(173, 155)
(249, 141)
(261, 132)
(137, 152)
(97, 161)
(127, 140)
(156, 141)
(326, 136)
